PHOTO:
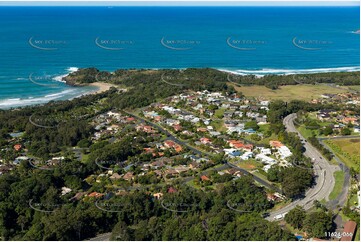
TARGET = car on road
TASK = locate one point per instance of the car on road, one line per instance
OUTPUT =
(280, 216)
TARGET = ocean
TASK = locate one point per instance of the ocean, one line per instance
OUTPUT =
(38, 45)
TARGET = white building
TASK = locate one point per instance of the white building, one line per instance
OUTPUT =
(264, 103)
(265, 151)
(247, 155)
(266, 168)
(284, 152)
(265, 159)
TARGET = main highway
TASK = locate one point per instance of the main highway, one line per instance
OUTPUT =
(324, 179)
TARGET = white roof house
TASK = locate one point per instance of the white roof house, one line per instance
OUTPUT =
(247, 155)
(265, 159)
(284, 152)
(265, 151)
(266, 168)
(264, 103)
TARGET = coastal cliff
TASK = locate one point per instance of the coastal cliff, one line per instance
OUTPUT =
(81, 77)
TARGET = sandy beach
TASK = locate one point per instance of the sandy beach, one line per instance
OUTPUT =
(102, 87)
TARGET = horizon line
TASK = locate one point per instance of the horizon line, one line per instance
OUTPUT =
(187, 3)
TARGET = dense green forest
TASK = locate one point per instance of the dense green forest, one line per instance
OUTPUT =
(135, 216)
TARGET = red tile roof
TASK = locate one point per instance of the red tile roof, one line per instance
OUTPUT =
(18, 147)
(95, 194)
(276, 143)
(172, 190)
(349, 231)
(204, 178)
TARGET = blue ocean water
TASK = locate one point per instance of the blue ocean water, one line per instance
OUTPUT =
(44, 43)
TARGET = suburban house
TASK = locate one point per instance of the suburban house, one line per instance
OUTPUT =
(17, 147)
(283, 150)
(240, 145)
(95, 194)
(19, 159)
(158, 195)
(205, 178)
(247, 155)
(172, 190)
(128, 176)
(205, 141)
(232, 152)
(265, 159)
(349, 231)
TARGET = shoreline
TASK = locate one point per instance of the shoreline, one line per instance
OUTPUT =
(101, 87)
(10, 103)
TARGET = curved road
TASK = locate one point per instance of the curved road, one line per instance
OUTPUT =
(324, 180)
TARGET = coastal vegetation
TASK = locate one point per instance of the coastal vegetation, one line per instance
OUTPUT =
(198, 77)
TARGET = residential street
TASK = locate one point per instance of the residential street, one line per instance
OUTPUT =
(199, 152)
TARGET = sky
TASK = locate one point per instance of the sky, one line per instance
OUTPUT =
(178, 3)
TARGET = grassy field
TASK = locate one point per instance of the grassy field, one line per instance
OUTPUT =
(353, 200)
(249, 164)
(356, 88)
(264, 127)
(219, 125)
(339, 178)
(266, 141)
(219, 113)
(348, 150)
(307, 133)
(288, 92)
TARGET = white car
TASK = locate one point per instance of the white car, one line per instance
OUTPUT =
(280, 216)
